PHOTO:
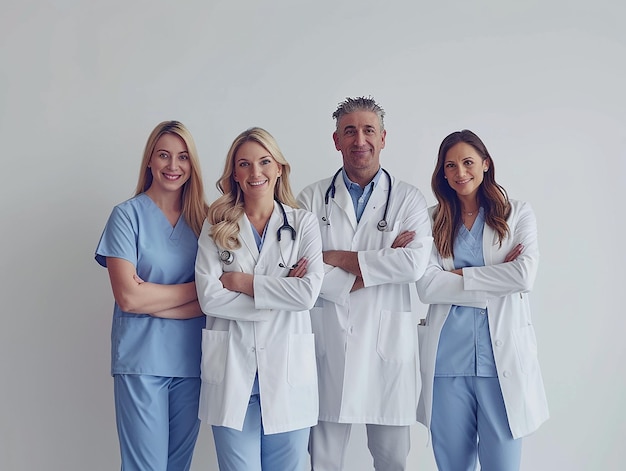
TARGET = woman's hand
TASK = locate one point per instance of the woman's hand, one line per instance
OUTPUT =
(299, 269)
(514, 253)
(403, 239)
(239, 282)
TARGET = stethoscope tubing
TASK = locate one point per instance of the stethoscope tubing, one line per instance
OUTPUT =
(227, 257)
(330, 195)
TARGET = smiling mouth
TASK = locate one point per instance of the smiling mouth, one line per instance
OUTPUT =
(171, 177)
(463, 182)
(257, 183)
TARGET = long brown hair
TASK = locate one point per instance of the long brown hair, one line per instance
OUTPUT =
(491, 196)
(225, 212)
(194, 206)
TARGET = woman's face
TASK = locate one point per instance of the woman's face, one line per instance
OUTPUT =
(255, 170)
(464, 169)
(169, 164)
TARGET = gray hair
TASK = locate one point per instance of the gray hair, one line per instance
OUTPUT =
(362, 103)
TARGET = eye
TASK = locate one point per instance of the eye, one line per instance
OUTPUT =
(468, 163)
(183, 157)
(243, 164)
(449, 165)
(349, 132)
(369, 131)
(266, 162)
(163, 155)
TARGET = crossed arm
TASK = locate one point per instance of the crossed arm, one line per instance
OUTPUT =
(349, 261)
(133, 295)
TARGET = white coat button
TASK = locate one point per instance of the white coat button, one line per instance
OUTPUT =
(351, 330)
(498, 343)
(506, 374)
(253, 349)
(482, 312)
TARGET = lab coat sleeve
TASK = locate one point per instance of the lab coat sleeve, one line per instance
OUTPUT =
(291, 293)
(401, 265)
(439, 286)
(518, 276)
(214, 299)
(337, 283)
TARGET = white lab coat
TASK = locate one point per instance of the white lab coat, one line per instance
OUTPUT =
(366, 340)
(502, 288)
(270, 333)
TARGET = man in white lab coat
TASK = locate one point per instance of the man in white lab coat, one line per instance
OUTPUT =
(376, 238)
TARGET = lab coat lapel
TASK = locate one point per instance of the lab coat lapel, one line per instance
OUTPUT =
(248, 243)
(276, 220)
(344, 201)
(377, 200)
(490, 240)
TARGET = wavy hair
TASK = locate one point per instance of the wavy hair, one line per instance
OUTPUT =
(491, 196)
(224, 213)
(194, 206)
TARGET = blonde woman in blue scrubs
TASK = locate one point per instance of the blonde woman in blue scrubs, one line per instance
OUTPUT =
(149, 247)
(259, 270)
(481, 384)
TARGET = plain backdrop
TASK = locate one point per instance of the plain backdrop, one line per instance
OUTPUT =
(83, 83)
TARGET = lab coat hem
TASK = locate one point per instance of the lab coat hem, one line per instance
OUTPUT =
(369, 420)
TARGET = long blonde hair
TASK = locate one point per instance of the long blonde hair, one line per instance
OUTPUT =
(491, 196)
(194, 206)
(224, 213)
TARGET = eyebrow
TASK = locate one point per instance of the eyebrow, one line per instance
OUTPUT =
(165, 150)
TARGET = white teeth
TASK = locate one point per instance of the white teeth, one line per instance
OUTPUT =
(171, 177)
(257, 183)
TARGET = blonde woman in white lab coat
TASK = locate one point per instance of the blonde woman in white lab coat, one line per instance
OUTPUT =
(481, 384)
(258, 272)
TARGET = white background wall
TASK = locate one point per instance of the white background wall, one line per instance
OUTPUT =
(83, 83)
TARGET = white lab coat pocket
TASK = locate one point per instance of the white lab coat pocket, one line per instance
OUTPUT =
(214, 355)
(389, 235)
(526, 347)
(396, 336)
(301, 366)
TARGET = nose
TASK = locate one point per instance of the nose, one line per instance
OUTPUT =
(173, 163)
(359, 138)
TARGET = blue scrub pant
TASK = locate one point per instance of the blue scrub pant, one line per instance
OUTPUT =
(469, 423)
(157, 421)
(251, 450)
(388, 444)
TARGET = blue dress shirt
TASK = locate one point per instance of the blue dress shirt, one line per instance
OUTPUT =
(360, 196)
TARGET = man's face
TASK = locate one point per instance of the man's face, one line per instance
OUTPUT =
(360, 140)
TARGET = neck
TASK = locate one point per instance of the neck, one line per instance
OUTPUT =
(167, 201)
(362, 177)
(259, 209)
(469, 205)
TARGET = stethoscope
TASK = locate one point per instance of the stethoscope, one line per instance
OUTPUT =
(330, 194)
(228, 256)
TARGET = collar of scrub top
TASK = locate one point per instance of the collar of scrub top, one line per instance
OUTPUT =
(330, 194)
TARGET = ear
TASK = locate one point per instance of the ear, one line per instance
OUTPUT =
(383, 136)
(485, 165)
(336, 139)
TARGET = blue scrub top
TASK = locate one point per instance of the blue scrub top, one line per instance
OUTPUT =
(465, 343)
(139, 232)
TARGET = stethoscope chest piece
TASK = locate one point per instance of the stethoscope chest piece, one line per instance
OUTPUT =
(382, 225)
(227, 257)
